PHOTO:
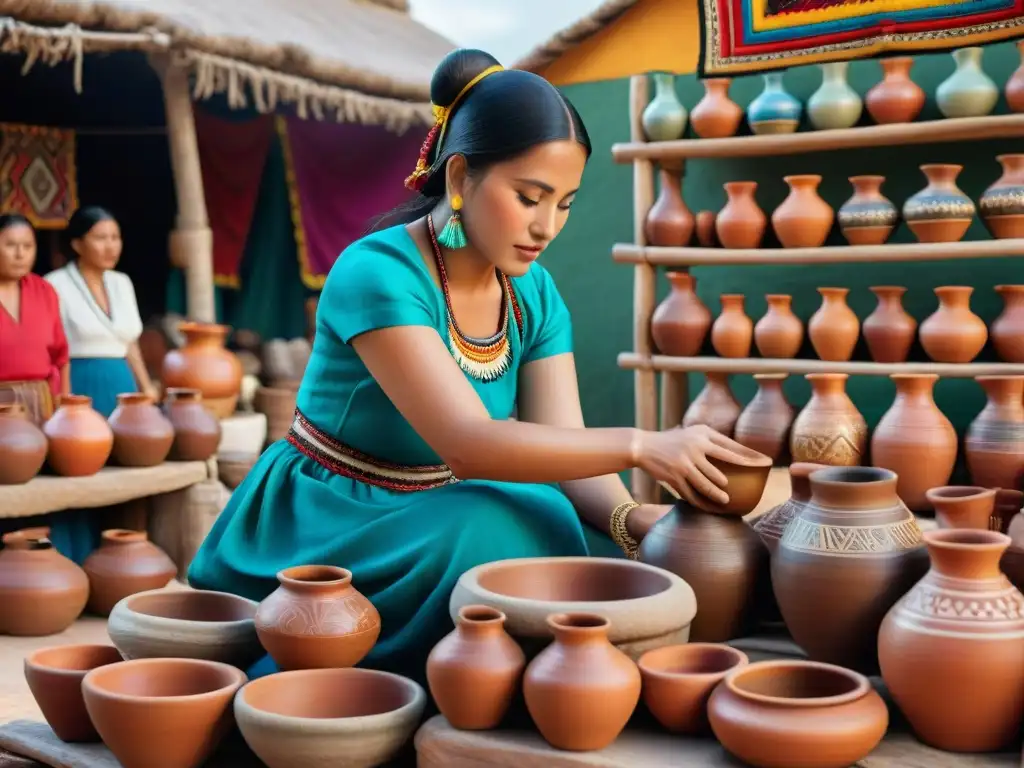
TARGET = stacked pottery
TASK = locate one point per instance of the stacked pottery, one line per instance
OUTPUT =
(763, 426)
(664, 118)
(868, 217)
(968, 92)
(963, 506)
(716, 116)
(22, 446)
(779, 333)
(715, 406)
(897, 98)
(953, 333)
(941, 212)
(204, 364)
(80, 439)
(741, 223)
(125, 563)
(41, 591)
(142, 435)
(994, 442)
(803, 220)
(829, 430)
(772, 524)
(835, 104)
(669, 222)
(196, 431)
(732, 332)
(834, 328)
(680, 322)
(889, 330)
(1002, 204)
(775, 110)
(1015, 85)
(1007, 331)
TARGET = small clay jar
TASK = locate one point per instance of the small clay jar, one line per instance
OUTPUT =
(868, 217)
(779, 333)
(715, 406)
(142, 435)
(804, 219)
(994, 441)
(705, 229)
(22, 446)
(1015, 85)
(581, 690)
(680, 322)
(772, 524)
(834, 328)
(1007, 330)
(204, 364)
(196, 431)
(953, 333)
(669, 223)
(1002, 204)
(963, 506)
(80, 440)
(941, 212)
(474, 671)
(741, 223)
(829, 430)
(732, 332)
(889, 331)
(897, 98)
(125, 563)
(764, 424)
(716, 116)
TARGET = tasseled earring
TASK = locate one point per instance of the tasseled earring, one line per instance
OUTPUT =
(452, 235)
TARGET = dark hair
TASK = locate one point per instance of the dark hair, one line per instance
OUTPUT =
(12, 219)
(503, 115)
(81, 223)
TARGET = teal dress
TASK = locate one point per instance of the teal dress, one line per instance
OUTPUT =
(406, 550)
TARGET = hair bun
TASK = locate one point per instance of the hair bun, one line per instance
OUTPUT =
(455, 72)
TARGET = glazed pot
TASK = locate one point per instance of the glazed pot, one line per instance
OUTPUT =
(797, 714)
(22, 446)
(1007, 330)
(664, 117)
(669, 223)
(41, 591)
(772, 524)
(680, 322)
(764, 424)
(716, 116)
(1002, 204)
(843, 562)
(142, 435)
(715, 406)
(941, 212)
(889, 330)
(961, 628)
(775, 110)
(834, 328)
(581, 690)
(196, 431)
(779, 333)
(897, 98)
(968, 92)
(835, 104)
(803, 220)
(125, 563)
(1015, 85)
(80, 440)
(204, 364)
(475, 670)
(994, 441)
(732, 332)
(829, 430)
(915, 439)
(868, 217)
(953, 333)
(741, 223)
(317, 620)
(963, 506)
(705, 229)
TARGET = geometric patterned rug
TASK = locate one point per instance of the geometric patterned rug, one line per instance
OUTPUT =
(37, 174)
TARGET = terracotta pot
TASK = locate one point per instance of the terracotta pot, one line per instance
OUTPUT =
(581, 690)
(897, 99)
(961, 628)
(705, 229)
(781, 714)
(941, 212)
(843, 562)
(915, 439)
(829, 430)
(715, 406)
(834, 328)
(994, 442)
(22, 446)
(747, 477)
(953, 333)
(889, 331)
(1015, 85)
(669, 222)
(142, 435)
(474, 671)
(716, 116)
(1002, 204)
(204, 364)
(316, 619)
(42, 591)
(741, 223)
(963, 506)
(732, 331)
(680, 322)
(772, 524)
(869, 217)
(764, 424)
(1007, 330)
(125, 563)
(132, 702)
(79, 438)
(779, 334)
(804, 219)
(196, 431)
(1009, 514)
(678, 681)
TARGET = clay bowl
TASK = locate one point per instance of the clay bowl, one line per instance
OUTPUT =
(348, 717)
(188, 624)
(162, 713)
(648, 607)
(963, 506)
(54, 675)
(747, 480)
(678, 681)
(797, 714)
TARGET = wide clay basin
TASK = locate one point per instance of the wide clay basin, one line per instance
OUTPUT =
(647, 606)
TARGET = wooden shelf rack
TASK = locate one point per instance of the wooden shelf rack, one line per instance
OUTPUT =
(667, 364)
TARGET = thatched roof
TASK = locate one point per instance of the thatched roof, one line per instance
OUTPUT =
(544, 54)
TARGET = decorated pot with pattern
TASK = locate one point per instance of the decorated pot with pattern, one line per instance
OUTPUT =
(829, 430)
(868, 217)
(775, 110)
(941, 212)
(1002, 204)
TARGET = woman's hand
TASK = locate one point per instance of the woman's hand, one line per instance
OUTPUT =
(151, 390)
(641, 519)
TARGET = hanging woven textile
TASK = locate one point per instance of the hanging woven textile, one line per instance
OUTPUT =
(37, 174)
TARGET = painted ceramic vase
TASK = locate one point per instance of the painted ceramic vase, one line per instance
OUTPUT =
(941, 212)
(22, 446)
(197, 432)
(764, 424)
(953, 333)
(669, 222)
(1015, 85)
(829, 430)
(715, 406)
(775, 110)
(664, 118)
(125, 563)
(835, 104)
(716, 116)
(741, 223)
(803, 220)
(142, 434)
(1002, 204)
(834, 328)
(897, 98)
(732, 332)
(994, 441)
(968, 92)
(204, 364)
(889, 330)
(80, 440)
(1007, 330)
(779, 333)
(681, 321)
(868, 217)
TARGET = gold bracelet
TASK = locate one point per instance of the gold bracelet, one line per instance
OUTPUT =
(619, 532)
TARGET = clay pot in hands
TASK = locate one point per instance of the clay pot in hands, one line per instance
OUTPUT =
(963, 506)
(680, 322)
(474, 671)
(953, 333)
(897, 98)
(41, 591)
(125, 563)
(716, 116)
(1015, 85)
(889, 331)
(764, 424)
(1007, 330)
(669, 222)
(196, 431)
(741, 223)
(829, 430)
(581, 690)
(732, 331)
(834, 328)
(204, 364)
(779, 333)
(80, 439)
(803, 220)
(915, 440)
(142, 435)
(941, 212)
(22, 446)
(772, 524)
(715, 406)
(994, 442)
(959, 631)
(705, 229)
(1002, 204)
(869, 217)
